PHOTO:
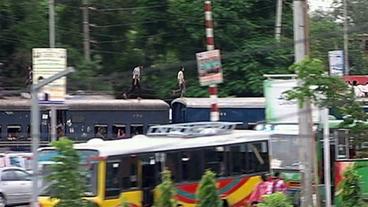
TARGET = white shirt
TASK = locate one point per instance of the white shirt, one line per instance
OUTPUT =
(136, 73)
(180, 77)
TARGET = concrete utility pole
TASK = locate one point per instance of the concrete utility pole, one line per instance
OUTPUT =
(51, 23)
(35, 128)
(86, 38)
(346, 39)
(305, 113)
(278, 20)
(326, 155)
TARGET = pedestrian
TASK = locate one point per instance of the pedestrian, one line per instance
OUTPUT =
(181, 81)
(279, 184)
(262, 189)
(136, 82)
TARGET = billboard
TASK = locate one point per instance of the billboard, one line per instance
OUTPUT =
(47, 62)
(278, 108)
(336, 62)
(209, 67)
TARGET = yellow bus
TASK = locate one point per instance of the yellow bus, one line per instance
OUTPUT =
(129, 169)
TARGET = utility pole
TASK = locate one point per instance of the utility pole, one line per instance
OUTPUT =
(305, 112)
(278, 20)
(86, 38)
(51, 23)
(212, 89)
(346, 38)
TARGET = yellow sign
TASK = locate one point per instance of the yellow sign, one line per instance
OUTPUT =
(47, 62)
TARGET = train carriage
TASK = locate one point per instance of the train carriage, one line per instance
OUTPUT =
(81, 119)
(248, 111)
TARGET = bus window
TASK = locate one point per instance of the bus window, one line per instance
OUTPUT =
(101, 131)
(191, 167)
(238, 159)
(259, 156)
(129, 173)
(172, 163)
(13, 132)
(214, 160)
(119, 131)
(136, 129)
(112, 179)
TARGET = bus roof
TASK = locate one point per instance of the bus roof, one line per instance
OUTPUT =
(88, 104)
(222, 102)
(143, 144)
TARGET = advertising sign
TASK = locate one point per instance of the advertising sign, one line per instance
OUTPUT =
(278, 108)
(209, 67)
(336, 60)
(47, 62)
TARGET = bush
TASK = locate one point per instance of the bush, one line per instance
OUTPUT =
(207, 194)
(167, 191)
(276, 200)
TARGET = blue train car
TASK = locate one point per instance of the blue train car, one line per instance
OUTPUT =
(81, 119)
(113, 119)
(249, 111)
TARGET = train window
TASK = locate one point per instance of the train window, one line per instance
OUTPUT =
(13, 132)
(191, 165)
(214, 159)
(101, 131)
(0, 132)
(136, 129)
(119, 131)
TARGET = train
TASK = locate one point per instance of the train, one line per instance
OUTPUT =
(86, 118)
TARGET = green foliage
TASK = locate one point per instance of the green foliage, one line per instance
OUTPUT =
(207, 194)
(350, 188)
(167, 191)
(331, 92)
(161, 34)
(275, 200)
(66, 177)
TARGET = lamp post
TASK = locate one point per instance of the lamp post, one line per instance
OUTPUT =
(35, 127)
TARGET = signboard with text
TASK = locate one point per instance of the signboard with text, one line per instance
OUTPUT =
(278, 108)
(336, 62)
(209, 67)
(47, 62)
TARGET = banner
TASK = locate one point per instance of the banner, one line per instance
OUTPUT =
(278, 108)
(47, 62)
(336, 62)
(209, 67)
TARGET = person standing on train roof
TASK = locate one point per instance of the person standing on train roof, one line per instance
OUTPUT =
(136, 81)
(181, 81)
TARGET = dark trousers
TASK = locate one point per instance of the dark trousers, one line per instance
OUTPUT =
(135, 84)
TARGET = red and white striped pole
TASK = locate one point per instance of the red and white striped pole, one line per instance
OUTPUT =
(215, 115)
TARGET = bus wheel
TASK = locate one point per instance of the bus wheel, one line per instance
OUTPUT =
(225, 203)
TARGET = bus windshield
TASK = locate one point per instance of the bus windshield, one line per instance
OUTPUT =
(88, 165)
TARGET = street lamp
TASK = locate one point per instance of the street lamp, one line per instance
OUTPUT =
(35, 127)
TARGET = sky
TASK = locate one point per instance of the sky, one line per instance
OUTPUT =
(320, 4)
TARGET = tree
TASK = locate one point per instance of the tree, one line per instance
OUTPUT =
(167, 191)
(66, 176)
(207, 194)
(275, 200)
(350, 188)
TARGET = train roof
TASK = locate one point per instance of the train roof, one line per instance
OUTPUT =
(142, 143)
(89, 104)
(251, 102)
